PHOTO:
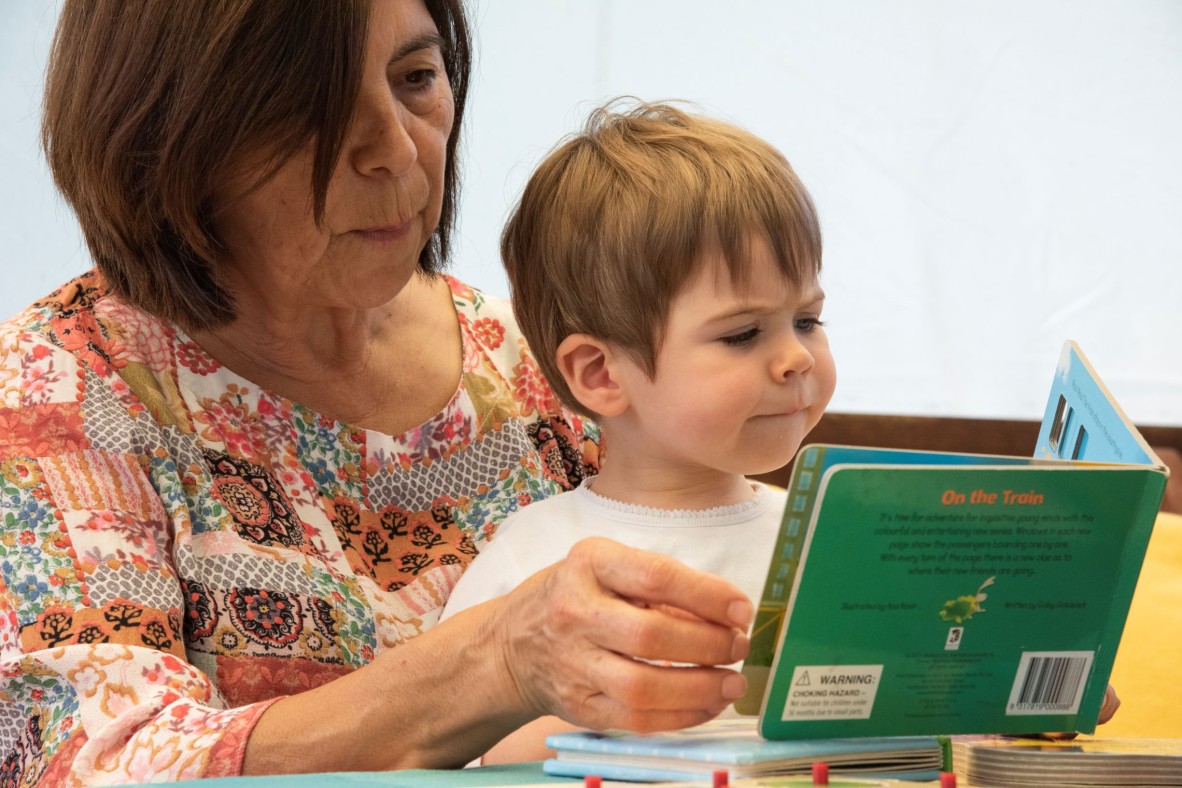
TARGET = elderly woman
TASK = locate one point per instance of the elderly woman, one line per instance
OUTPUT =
(243, 462)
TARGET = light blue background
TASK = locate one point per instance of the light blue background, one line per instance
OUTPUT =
(993, 178)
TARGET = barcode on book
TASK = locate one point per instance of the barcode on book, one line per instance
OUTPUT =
(1049, 682)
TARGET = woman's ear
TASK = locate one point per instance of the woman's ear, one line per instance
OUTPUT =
(587, 365)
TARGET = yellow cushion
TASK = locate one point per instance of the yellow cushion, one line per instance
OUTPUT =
(1146, 675)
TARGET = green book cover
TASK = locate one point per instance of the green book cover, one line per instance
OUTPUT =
(932, 593)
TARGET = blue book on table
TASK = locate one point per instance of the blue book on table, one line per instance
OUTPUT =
(736, 747)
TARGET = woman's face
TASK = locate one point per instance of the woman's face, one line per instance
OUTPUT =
(385, 194)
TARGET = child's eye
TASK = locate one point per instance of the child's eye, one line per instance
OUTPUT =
(807, 325)
(745, 337)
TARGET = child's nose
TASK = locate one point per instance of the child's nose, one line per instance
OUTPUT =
(792, 358)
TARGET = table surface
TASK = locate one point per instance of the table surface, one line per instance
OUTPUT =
(509, 774)
(526, 774)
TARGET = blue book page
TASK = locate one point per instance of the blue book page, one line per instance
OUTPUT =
(649, 774)
(1083, 422)
(735, 746)
(727, 746)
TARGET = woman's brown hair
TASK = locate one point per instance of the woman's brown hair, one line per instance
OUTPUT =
(151, 104)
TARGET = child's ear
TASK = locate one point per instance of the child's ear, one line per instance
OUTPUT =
(587, 365)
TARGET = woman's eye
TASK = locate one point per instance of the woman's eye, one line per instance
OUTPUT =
(421, 79)
(744, 338)
(807, 325)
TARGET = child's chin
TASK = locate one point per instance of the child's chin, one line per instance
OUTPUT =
(767, 466)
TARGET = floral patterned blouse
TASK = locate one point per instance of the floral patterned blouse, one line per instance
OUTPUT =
(180, 548)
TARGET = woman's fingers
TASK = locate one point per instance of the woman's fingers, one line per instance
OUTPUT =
(578, 636)
(604, 713)
(642, 685)
(651, 633)
(1110, 705)
(626, 693)
(666, 611)
(623, 600)
(656, 579)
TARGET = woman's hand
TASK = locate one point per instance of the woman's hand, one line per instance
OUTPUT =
(1109, 706)
(568, 641)
(578, 639)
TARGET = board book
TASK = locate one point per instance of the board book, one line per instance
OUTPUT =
(938, 593)
(735, 746)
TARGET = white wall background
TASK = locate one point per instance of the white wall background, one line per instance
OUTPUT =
(993, 177)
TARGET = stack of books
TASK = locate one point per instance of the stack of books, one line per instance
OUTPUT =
(996, 761)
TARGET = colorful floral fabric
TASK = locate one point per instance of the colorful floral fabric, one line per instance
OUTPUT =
(180, 547)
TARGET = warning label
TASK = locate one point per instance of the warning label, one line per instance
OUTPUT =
(832, 692)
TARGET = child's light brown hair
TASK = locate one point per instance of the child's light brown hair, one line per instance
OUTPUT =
(620, 216)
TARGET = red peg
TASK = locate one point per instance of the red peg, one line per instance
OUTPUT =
(947, 779)
(820, 773)
(721, 778)
(592, 781)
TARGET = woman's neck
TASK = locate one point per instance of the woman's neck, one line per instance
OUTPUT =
(299, 349)
(387, 368)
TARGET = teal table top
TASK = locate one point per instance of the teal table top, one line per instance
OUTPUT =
(509, 774)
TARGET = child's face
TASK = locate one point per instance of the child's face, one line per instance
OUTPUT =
(742, 375)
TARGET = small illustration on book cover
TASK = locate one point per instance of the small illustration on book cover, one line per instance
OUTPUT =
(962, 608)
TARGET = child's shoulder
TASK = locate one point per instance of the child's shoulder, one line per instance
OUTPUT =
(543, 518)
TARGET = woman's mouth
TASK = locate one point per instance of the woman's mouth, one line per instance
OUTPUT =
(385, 233)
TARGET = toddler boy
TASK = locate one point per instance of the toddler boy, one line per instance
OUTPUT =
(664, 270)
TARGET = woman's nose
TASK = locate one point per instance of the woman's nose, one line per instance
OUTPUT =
(382, 140)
